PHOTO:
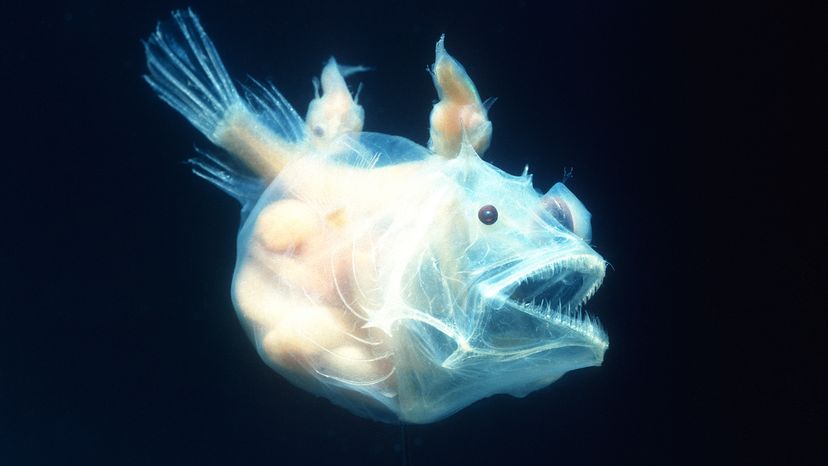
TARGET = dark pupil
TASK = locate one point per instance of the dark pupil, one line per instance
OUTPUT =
(487, 214)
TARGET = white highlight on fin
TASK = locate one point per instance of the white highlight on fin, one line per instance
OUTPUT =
(263, 130)
(273, 109)
(187, 73)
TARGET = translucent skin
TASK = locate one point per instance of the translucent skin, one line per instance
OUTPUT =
(364, 273)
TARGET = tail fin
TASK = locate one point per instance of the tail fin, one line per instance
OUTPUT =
(187, 73)
(261, 130)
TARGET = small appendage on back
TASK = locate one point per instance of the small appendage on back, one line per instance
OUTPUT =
(335, 112)
(459, 116)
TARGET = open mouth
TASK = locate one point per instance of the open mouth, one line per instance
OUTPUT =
(565, 283)
(553, 290)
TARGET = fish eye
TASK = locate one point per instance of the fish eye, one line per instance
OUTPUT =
(558, 209)
(487, 214)
(566, 209)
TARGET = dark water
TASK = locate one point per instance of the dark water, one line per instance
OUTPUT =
(119, 343)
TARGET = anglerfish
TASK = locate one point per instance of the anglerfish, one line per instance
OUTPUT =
(400, 281)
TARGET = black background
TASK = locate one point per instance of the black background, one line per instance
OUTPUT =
(696, 136)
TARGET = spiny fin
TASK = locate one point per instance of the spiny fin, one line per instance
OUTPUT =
(234, 181)
(263, 131)
(272, 107)
(187, 73)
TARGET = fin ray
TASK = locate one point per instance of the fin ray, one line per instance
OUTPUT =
(186, 72)
(234, 181)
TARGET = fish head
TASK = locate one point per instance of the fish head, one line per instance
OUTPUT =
(498, 287)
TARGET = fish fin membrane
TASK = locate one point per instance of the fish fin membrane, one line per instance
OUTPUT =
(187, 73)
(274, 110)
(234, 180)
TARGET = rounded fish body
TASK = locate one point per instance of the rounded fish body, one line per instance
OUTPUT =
(401, 282)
